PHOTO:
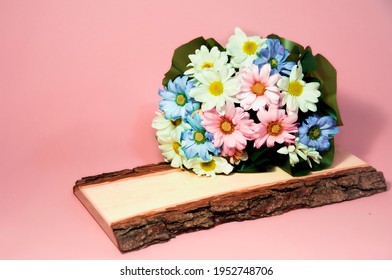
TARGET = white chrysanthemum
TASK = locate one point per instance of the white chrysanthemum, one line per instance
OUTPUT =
(298, 94)
(205, 59)
(171, 151)
(292, 152)
(299, 149)
(216, 88)
(243, 49)
(209, 168)
(311, 153)
(168, 128)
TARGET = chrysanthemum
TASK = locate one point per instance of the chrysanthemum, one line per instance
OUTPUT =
(238, 157)
(275, 54)
(311, 153)
(196, 141)
(169, 128)
(176, 102)
(275, 126)
(231, 130)
(243, 49)
(297, 94)
(316, 132)
(258, 88)
(171, 151)
(299, 149)
(216, 89)
(293, 153)
(211, 167)
(205, 59)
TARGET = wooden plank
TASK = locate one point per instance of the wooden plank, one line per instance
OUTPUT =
(154, 203)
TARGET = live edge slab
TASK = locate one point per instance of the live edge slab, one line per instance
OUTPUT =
(151, 204)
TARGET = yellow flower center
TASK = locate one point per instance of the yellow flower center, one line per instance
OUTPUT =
(249, 47)
(226, 126)
(199, 137)
(258, 88)
(176, 147)
(314, 132)
(274, 128)
(181, 99)
(274, 63)
(207, 65)
(295, 88)
(176, 122)
(216, 88)
(208, 166)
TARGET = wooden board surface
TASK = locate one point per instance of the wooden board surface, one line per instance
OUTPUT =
(136, 208)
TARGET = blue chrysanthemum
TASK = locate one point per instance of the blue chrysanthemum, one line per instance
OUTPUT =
(316, 132)
(197, 141)
(275, 54)
(176, 101)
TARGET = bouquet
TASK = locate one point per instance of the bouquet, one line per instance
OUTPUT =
(255, 104)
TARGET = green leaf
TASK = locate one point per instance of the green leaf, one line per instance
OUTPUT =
(324, 109)
(181, 56)
(326, 73)
(308, 61)
(259, 160)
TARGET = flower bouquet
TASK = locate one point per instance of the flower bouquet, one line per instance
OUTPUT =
(255, 104)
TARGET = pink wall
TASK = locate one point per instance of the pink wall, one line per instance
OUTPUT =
(78, 87)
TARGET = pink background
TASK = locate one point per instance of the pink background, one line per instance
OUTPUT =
(78, 87)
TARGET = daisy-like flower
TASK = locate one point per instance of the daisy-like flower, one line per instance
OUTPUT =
(238, 157)
(258, 88)
(293, 153)
(301, 150)
(205, 59)
(196, 141)
(169, 128)
(311, 153)
(316, 132)
(297, 94)
(211, 167)
(172, 152)
(176, 102)
(216, 88)
(231, 130)
(275, 54)
(275, 126)
(243, 49)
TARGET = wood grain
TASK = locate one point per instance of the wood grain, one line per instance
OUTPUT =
(138, 228)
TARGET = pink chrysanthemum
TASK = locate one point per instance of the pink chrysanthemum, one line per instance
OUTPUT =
(231, 130)
(275, 126)
(258, 88)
